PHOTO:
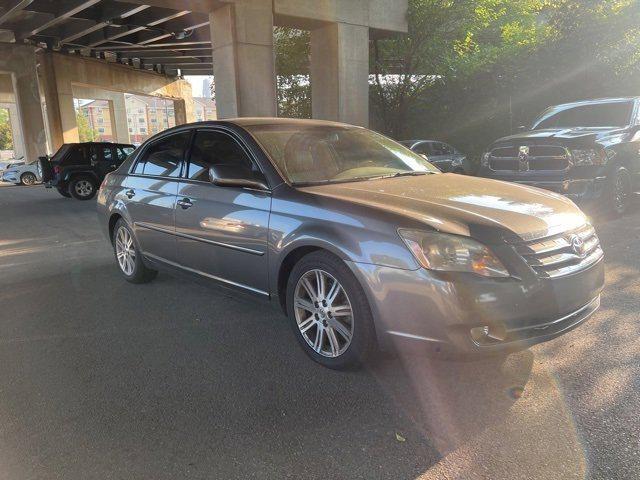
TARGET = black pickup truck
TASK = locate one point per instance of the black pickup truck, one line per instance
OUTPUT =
(588, 151)
(77, 169)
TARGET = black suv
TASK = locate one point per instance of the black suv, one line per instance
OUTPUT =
(77, 169)
(588, 151)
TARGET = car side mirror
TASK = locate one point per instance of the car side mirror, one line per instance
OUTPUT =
(227, 177)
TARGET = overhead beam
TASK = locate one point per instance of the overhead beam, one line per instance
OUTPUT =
(106, 21)
(168, 44)
(60, 17)
(13, 7)
(197, 51)
(164, 59)
(157, 38)
(147, 24)
(207, 71)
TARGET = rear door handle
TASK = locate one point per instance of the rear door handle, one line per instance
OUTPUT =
(185, 203)
(130, 193)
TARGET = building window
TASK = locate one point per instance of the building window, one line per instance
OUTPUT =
(154, 120)
(100, 120)
(130, 130)
(140, 119)
(140, 110)
(129, 119)
(143, 130)
(101, 130)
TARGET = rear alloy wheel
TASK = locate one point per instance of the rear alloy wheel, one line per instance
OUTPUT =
(620, 191)
(82, 188)
(28, 179)
(329, 312)
(128, 255)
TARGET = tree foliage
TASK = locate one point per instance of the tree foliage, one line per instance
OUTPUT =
(85, 132)
(469, 71)
(6, 135)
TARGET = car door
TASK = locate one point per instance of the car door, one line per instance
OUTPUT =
(103, 159)
(150, 191)
(222, 230)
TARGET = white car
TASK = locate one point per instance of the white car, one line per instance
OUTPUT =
(22, 173)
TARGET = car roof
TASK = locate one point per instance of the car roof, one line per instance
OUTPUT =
(101, 143)
(595, 101)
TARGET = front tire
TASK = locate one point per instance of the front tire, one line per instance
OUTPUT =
(620, 191)
(128, 255)
(82, 187)
(28, 179)
(329, 312)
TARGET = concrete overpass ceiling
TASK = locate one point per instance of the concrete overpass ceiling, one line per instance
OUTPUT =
(147, 36)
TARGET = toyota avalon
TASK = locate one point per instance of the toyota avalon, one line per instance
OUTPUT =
(362, 242)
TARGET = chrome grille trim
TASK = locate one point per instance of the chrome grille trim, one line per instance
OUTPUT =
(540, 158)
(556, 256)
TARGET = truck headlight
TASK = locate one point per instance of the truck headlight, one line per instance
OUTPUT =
(589, 156)
(484, 161)
(452, 253)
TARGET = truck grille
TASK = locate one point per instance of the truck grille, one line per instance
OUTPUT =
(562, 254)
(538, 158)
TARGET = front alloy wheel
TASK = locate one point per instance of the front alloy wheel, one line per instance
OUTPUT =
(28, 179)
(323, 313)
(329, 311)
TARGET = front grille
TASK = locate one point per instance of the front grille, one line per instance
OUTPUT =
(562, 254)
(539, 158)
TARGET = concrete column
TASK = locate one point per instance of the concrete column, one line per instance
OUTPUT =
(243, 59)
(20, 62)
(118, 114)
(340, 73)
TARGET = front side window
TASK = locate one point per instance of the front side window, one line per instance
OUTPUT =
(217, 149)
(423, 148)
(326, 154)
(614, 114)
(107, 154)
(164, 157)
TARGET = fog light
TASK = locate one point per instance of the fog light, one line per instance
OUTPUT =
(488, 334)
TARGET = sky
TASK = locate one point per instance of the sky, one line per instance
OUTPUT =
(196, 83)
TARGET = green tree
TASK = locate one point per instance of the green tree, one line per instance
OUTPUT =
(6, 135)
(292, 71)
(85, 132)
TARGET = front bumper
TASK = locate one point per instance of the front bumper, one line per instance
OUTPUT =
(10, 177)
(436, 312)
(584, 189)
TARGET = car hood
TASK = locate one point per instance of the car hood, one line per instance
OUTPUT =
(453, 203)
(577, 135)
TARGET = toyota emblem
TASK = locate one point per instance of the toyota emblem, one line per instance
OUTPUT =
(577, 245)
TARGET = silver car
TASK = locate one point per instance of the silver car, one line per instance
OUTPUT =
(21, 173)
(360, 241)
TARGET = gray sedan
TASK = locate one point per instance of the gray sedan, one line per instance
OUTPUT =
(440, 154)
(360, 241)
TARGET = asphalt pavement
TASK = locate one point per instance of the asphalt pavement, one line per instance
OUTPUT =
(101, 379)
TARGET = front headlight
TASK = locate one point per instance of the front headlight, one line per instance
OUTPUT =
(485, 159)
(452, 253)
(590, 156)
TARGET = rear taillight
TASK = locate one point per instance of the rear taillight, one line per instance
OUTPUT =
(56, 169)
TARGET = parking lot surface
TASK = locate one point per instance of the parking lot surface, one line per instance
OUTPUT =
(101, 379)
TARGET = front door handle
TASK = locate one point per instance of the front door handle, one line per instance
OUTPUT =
(185, 203)
(130, 193)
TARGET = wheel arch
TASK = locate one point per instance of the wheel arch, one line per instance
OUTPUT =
(113, 219)
(293, 255)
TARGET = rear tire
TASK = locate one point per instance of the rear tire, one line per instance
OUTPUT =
(620, 191)
(128, 255)
(332, 322)
(83, 187)
(28, 179)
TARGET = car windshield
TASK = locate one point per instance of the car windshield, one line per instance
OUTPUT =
(328, 154)
(614, 114)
